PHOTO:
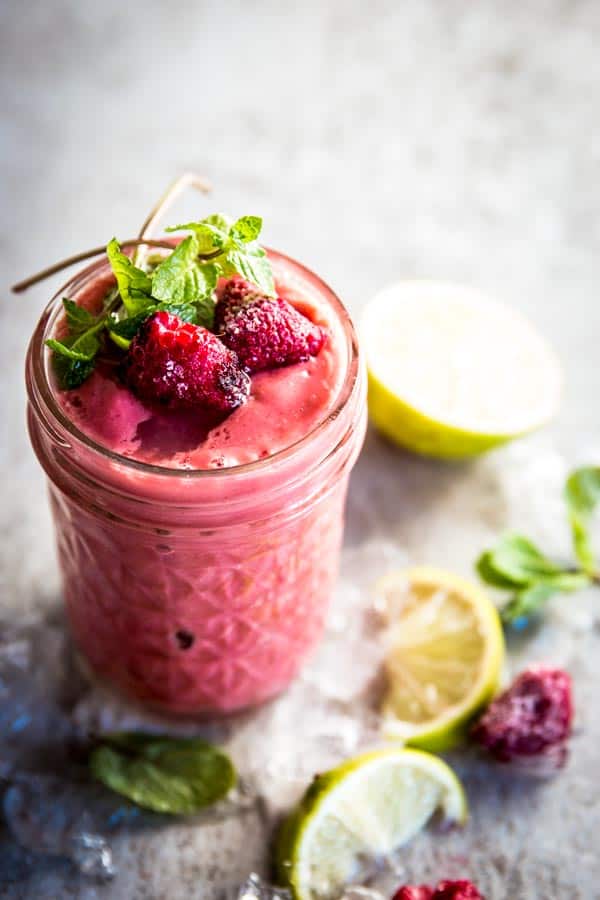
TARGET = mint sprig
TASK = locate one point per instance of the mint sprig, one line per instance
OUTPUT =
(183, 283)
(74, 356)
(235, 248)
(582, 493)
(161, 773)
(517, 565)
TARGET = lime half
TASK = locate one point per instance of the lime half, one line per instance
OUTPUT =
(452, 372)
(445, 656)
(367, 807)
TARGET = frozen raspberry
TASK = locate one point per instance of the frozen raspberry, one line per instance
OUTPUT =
(264, 332)
(183, 365)
(231, 296)
(446, 890)
(531, 721)
(413, 892)
(456, 890)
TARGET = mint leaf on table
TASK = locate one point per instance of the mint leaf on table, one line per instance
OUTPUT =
(517, 561)
(527, 602)
(135, 285)
(582, 493)
(516, 564)
(163, 774)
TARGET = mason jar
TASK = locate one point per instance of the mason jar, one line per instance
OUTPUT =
(197, 592)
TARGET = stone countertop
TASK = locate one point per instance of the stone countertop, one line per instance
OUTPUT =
(447, 140)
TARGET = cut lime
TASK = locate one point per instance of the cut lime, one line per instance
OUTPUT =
(453, 373)
(445, 657)
(367, 807)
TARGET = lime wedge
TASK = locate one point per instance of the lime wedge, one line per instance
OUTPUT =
(453, 373)
(445, 657)
(367, 807)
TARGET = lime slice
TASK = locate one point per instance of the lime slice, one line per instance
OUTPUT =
(367, 807)
(453, 373)
(445, 657)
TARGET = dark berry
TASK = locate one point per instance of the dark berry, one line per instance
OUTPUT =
(531, 721)
(231, 296)
(456, 890)
(265, 332)
(182, 365)
(413, 892)
(446, 890)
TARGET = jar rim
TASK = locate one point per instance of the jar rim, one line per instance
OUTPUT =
(41, 393)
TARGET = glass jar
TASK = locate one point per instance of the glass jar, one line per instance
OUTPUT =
(202, 591)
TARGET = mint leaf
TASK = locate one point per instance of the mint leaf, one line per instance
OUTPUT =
(183, 281)
(74, 358)
(239, 254)
(517, 560)
(211, 233)
(218, 221)
(582, 493)
(253, 265)
(135, 285)
(174, 280)
(527, 602)
(84, 349)
(128, 328)
(78, 318)
(167, 775)
(71, 373)
(486, 568)
(246, 229)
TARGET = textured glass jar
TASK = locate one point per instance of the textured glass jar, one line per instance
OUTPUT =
(197, 592)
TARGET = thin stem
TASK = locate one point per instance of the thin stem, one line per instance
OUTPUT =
(188, 179)
(89, 254)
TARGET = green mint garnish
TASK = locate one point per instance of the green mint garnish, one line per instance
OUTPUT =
(74, 357)
(235, 248)
(163, 774)
(582, 493)
(182, 283)
(135, 285)
(515, 564)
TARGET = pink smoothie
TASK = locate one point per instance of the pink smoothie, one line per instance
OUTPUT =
(199, 559)
(284, 405)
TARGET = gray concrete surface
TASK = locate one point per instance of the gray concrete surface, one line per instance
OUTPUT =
(443, 139)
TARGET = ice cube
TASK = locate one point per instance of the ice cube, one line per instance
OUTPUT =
(254, 888)
(49, 815)
(358, 892)
(92, 856)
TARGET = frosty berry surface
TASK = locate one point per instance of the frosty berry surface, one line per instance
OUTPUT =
(199, 549)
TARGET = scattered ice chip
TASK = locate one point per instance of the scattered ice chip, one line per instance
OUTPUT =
(92, 856)
(254, 888)
(358, 892)
(48, 815)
